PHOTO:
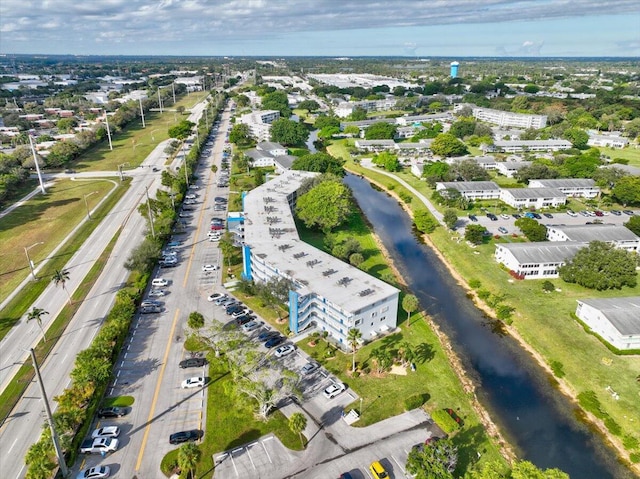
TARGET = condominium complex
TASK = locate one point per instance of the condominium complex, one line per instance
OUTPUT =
(327, 293)
(506, 118)
(259, 123)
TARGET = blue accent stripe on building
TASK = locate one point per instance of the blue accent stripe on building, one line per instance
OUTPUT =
(293, 311)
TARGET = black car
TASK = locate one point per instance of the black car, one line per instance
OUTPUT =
(193, 363)
(547, 215)
(274, 341)
(492, 217)
(244, 319)
(536, 216)
(112, 412)
(266, 335)
(234, 309)
(473, 218)
(516, 216)
(185, 436)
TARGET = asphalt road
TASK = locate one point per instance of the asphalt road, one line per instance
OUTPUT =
(24, 425)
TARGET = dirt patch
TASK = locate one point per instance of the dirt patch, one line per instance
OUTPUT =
(398, 370)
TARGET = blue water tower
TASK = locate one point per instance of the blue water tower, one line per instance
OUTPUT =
(454, 69)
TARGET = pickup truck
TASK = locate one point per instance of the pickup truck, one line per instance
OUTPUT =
(99, 445)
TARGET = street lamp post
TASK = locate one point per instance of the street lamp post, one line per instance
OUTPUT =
(142, 113)
(159, 100)
(86, 205)
(153, 231)
(35, 160)
(120, 170)
(106, 118)
(26, 251)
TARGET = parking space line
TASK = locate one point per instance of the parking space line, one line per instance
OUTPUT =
(265, 450)
(250, 458)
(234, 465)
(398, 463)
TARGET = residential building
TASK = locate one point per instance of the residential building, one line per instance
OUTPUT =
(268, 153)
(510, 168)
(375, 145)
(610, 141)
(325, 293)
(471, 190)
(536, 260)
(576, 187)
(506, 118)
(275, 149)
(616, 320)
(533, 198)
(259, 123)
(617, 235)
(517, 146)
(487, 162)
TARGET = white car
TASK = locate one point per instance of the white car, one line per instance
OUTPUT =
(157, 293)
(215, 296)
(98, 472)
(106, 431)
(215, 239)
(159, 282)
(285, 350)
(333, 390)
(191, 196)
(194, 382)
(504, 216)
(250, 326)
(207, 268)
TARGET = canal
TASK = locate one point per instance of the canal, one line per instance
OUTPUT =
(534, 417)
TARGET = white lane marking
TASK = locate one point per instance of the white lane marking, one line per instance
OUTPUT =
(267, 452)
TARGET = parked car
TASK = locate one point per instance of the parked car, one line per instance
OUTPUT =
(106, 431)
(273, 342)
(266, 335)
(503, 230)
(194, 382)
(547, 215)
(572, 213)
(529, 214)
(377, 471)
(207, 268)
(157, 293)
(516, 216)
(112, 412)
(599, 213)
(584, 213)
(473, 218)
(250, 326)
(492, 217)
(234, 308)
(616, 212)
(217, 227)
(99, 445)
(193, 363)
(628, 212)
(214, 296)
(285, 350)
(242, 312)
(98, 472)
(159, 282)
(333, 390)
(309, 368)
(345, 475)
(505, 216)
(536, 216)
(185, 436)
(191, 196)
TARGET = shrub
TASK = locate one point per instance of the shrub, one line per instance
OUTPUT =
(415, 401)
(504, 311)
(475, 283)
(444, 421)
(589, 401)
(630, 442)
(548, 286)
(406, 197)
(613, 427)
(557, 368)
(356, 374)
(483, 294)
(635, 457)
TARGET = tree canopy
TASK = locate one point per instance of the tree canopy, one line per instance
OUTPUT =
(325, 206)
(601, 266)
(319, 162)
(387, 160)
(380, 131)
(277, 100)
(633, 224)
(474, 233)
(240, 134)
(533, 230)
(309, 105)
(436, 460)
(445, 144)
(627, 190)
(288, 132)
(181, 130)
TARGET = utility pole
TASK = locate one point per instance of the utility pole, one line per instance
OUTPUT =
(54, 434)
(184, 161)
(86, 205)
(26, 251)
(35, 160)
(159, 100)
(106, 117)
(173, 87)
(153, 231)
(142, 113)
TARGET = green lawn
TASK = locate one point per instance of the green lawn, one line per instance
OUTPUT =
(44, 218)
(632, 154)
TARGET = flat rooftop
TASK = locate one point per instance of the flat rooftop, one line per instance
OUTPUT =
(271, 233)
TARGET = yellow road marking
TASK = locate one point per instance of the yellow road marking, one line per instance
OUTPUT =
(157, 392)
(193, 248)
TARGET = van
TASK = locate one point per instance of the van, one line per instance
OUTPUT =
(159, 282)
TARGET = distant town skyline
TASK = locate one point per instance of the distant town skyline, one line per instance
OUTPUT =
(418, 28)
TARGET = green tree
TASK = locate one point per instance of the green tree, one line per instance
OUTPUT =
(469, 170)
(577, 137)
(410, 304)
(277, 100)
(182, 130)
(356, 259)
(424, 221)
(445, 144)
(240, 134)
(325, 121)
(381, 131)
(521, 470)
(382, 358)
(435, 172)
(437, 460)
(227, 247)
(633, 224)
(297, 423)
(144, 256)
(533, 230)
(60, 277)
(536, 171)
(450, 218)
(62, 153)
(242, 101)
(352, 130)
(288, 132)
(531, 88)
(354, 336)
(188, 457)
(319, 162)
(474, 233)
(65, 125)
(627, 190)
(601, 266)
(463, 127)
(195, 320)
(326, 206)
(358, 114)
(36, 314)
(386, 160)
(309, 105)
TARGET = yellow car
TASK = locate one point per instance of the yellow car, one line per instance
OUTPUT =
(378, 471)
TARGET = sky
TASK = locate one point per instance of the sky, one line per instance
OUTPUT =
(416, 28)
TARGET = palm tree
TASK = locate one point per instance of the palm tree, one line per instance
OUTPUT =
(61, 277)
(37, 313)
(188, 457)
(409, 304)
(353, 337)
(297, 423)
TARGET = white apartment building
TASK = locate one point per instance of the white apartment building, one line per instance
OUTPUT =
(327, 293)
(609, 141)
(527, 198)
(259, 123)
(585, 188)
(518, 146)
(506, 118)
(617, 235)
(471, 190)
(510, 168)
(536, 260)
(616, 320)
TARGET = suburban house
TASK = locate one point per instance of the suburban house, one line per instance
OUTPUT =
(617, 235)
(505, 118)
(610, 141)
(259, 123)
(536, 260)
(616, 320)
(585, 188)
(326, 293)
(268, 153)
(510, 168)
(517, 146)
(471, 190)
(533, 198)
